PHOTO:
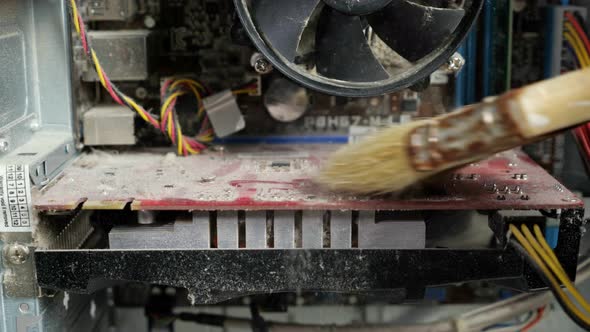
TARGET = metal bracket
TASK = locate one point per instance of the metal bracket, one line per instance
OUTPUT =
(46, 153)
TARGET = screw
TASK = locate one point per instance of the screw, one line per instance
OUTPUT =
(260, 64)
(16, 253)
(4, 145)
(456, 63)
(24, 308)
(35, 126)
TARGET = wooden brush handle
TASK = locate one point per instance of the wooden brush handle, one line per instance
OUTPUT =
(551, 105)
(497, 124)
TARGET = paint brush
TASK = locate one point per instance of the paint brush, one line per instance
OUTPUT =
(400, 156)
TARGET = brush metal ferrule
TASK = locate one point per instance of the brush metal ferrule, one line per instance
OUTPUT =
(464, 135)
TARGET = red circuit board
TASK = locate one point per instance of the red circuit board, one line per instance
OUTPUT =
(281, 178)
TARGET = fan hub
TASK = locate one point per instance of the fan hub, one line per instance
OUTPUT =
(357, 7)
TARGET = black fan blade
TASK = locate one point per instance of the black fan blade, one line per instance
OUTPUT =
(343, 51)
(414, 30)
(281, 23)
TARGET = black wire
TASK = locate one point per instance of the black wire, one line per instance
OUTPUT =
(533, 264)
(244, 85)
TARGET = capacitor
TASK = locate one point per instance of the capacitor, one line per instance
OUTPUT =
(285, 100)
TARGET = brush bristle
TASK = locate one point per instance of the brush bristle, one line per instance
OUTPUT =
(379, 164)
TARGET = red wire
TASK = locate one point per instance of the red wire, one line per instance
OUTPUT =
(110, 88)
(534, 322)
(83, 34)
(164, 119)
(165, 88)
(582, 132)
(158, 124)
(570, 17)
(195, 144)
(584, 141)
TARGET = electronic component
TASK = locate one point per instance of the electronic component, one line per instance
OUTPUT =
(109, 10)
(224, 113)
(324, 46)
(124, 54)
(286, 101)
(109, 125)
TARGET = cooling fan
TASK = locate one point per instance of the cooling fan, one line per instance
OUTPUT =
(357, 47)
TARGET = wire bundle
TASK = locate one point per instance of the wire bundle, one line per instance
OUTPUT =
(172, 89)
(532, 319)
(578, 43)
(168, 122)
(540, 256)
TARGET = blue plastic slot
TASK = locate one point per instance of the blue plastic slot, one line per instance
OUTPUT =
(552, 235)
(284, 140)
(437, 294)
(549, 41)
(488, 47)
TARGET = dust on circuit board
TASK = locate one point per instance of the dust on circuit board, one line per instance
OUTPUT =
(281, 178)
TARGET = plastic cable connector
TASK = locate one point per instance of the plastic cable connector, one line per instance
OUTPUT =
(224, 113)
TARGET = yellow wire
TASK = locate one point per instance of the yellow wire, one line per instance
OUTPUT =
(136, 107)
(189, 149)
(197, 95)
(98, 69)
(193, 85)
(566, 299)
(546, 246)
(205, 138)
(180, 139)
(188, 81)
(570, 27)
(169, 101)
(578, 49)
(75, 16)
(200, 112)
(244, 91)
(554, 267)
